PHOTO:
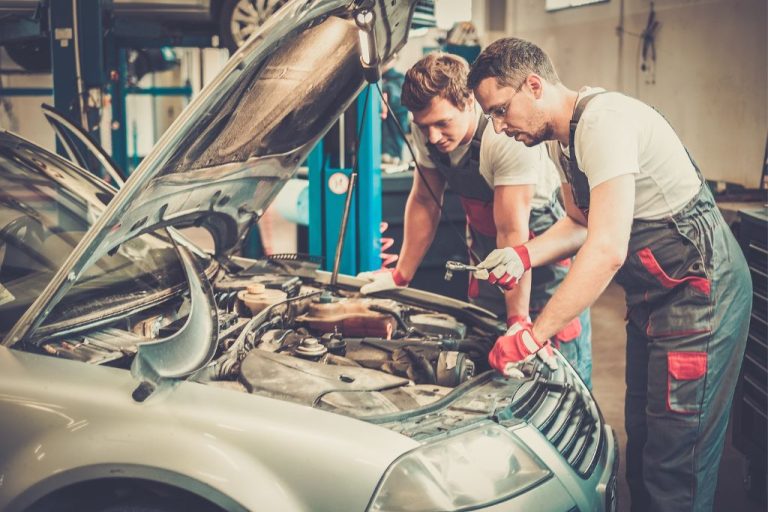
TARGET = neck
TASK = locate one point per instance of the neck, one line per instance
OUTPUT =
(563, 113)
(472, 127)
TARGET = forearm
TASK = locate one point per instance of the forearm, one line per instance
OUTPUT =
(560, 241)
(593, 268)
(421, 221)
(518, 299)
(602, 255)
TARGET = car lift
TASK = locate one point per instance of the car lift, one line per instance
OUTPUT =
(86, 62)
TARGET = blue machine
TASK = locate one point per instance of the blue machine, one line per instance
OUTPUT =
(327, 195)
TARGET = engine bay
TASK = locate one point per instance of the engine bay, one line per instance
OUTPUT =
(297, 339)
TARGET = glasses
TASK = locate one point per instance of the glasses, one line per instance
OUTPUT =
(499, 113)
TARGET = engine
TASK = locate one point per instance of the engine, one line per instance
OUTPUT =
(311, 344)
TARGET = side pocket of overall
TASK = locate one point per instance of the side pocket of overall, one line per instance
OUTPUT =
(685, 381)
(678, 286)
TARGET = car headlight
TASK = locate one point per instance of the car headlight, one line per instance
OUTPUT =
(477, 467)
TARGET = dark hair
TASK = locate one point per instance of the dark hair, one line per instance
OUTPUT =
(436, 75)
(510, 61)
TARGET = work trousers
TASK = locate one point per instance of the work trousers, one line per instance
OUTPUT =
(689, 296)
(575, 343)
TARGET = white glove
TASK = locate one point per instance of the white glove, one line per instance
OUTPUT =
(504, 267)
(382, 280)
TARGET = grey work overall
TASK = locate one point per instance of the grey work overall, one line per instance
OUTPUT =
(689, 296)
(476, 196)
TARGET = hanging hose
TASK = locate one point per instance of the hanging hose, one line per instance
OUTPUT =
(387, 259)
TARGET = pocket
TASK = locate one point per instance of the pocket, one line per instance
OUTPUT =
(685, 381)
(651, 264)
(676, 290)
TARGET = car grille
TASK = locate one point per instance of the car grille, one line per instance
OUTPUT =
(562, 409)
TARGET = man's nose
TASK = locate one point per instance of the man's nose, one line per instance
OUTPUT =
(434, 135)
(498, 125)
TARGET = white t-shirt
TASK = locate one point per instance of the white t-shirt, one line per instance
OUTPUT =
(619, 135)
(503, 161)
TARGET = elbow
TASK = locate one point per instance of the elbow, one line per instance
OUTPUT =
(615, 257)
(612, 255)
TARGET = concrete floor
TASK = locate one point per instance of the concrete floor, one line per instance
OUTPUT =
(608, 344)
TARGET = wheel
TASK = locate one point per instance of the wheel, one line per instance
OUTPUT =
(240, 18)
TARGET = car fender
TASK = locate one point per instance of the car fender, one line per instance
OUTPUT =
(78, 421)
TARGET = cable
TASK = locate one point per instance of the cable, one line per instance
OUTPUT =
(461, 236)
(350, 189)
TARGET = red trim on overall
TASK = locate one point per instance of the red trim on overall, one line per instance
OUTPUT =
(684, 366)
(650, 263)
(473, 291)
(570, 332)
(479, 215)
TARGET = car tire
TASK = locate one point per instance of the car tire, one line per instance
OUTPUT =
(32, 55)
(238, 19)
(138, 507)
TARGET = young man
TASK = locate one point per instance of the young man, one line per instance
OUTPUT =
(637, 206)
(508, 192)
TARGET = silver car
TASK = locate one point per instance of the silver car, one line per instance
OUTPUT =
(141, 373)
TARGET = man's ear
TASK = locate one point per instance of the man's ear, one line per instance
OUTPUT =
(470, 102)
(535, 84)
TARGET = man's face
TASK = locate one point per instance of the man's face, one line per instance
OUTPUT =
(446, 126)
(514, 111)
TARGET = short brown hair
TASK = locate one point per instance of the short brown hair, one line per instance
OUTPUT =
(510, 61)
(436, 75)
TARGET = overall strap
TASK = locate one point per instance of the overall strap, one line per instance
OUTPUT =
(693, 162)
(464, 177)
(474, 149)
(575, 176)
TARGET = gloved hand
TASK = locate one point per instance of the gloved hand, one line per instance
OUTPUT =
(504, 267)
(381, 280)
(514, 319)
(518, 346)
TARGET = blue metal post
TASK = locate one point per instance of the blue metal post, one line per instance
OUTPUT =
(119, 119)
(369, 181)
(315, 162)
(327, 194)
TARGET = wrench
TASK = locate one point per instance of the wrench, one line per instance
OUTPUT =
(456, 266)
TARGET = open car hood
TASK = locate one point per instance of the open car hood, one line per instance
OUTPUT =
(230, 152)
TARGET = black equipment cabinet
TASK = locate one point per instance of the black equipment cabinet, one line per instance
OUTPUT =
(750, 406)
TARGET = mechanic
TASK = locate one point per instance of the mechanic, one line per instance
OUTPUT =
(508, 191)
(638, 208)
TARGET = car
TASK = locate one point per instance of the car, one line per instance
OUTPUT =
(231, 21)
(139, 372)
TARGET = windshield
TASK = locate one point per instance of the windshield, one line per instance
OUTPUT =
(46, 206)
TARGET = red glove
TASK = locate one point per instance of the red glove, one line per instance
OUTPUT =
(514, 319)
(518, 346)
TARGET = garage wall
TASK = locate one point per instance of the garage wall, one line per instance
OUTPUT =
(22, 114)
(711, 73)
